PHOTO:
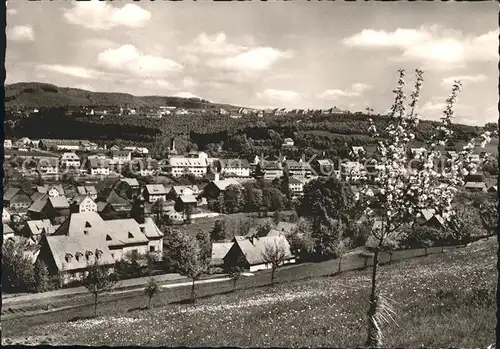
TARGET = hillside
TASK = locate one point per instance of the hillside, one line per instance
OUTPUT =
(35, 94)
(434, 299)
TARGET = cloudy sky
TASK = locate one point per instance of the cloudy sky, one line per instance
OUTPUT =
(286, 54)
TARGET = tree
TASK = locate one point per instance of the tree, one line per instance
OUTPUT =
(278, 217)
(18, 273)
(301, 241)
(235, 270)
(233, 199)
(219, 231)
(98, 280)
(192, 262)
(274, 255)
(157, 209)
(42, 277)
(402, 192)
(151, 289)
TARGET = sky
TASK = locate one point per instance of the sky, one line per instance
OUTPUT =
(263, 54)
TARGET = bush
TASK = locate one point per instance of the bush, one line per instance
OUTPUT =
(420, 237)
(18, 273)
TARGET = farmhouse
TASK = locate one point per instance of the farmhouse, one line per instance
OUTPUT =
(70, 160)
(251, 252)
(178, 190)
(16, 199)
(121, 156)
(154, 192)
(297, 168)
(219, 251)
(117, 202)
(83, 203)
(98, 167)
(51, 190)
(48, 166)
(214, 188)
(35, 228)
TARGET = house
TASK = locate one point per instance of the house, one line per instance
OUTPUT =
(154, 192)
(8, 232)
(49, 207)
(296, 187)
(117, 202)
(297, 168)
(99, 156)
(7, 144)
(219, 251)
(51, 190)
(215, 188)
(184, 202)
(271, 169)
(61, 144)
(324, 167)
(83, 203)
(69, 160)
(114, 148)
(235, 167)
(16, 199)
(288, 142)
(121, 156)
(87, 190)
(6, 216)
(48, 166)
(476, 186)
(98, 167)
(417, 153)
(335, 111)
(179, 166)
(35, 228)
(127, 187)
(251, 251)
(492, 189)
(149, 167)
(88, 146)
(69, 256)
(178, 190)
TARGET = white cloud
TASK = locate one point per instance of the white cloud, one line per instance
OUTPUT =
(98, 15)
(256, 59)
(96, 43)
(128, 59)
(75, 71)
(186, 95)
(464, 79)
(434, 46)
(189, 82)
(215, 44)
(21, 33)
(278, 95)
(218, 53)
(356, 90)
(11, 11)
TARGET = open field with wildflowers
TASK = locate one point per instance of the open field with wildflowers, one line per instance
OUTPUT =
(442, 300)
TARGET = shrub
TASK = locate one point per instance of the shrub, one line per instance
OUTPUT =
(421, 236)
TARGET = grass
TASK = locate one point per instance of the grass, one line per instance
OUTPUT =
(436, 298)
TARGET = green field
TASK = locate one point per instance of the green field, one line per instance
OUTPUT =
(437, 296)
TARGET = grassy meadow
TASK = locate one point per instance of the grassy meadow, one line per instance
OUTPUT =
(442, 300)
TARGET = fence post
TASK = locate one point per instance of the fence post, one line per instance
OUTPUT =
(390, 257)
(425, 248)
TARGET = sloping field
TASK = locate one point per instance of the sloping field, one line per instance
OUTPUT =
(442, 300)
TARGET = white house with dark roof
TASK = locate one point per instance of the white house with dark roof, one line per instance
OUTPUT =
(48, 166)
(83, 203)
(70, 159)
(235, 167)
(51, 190)
(121, 156)
(178, 190)
(99, 167)
(179, 166)
(155, 192)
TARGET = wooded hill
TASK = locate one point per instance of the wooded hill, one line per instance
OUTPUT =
(37, 95)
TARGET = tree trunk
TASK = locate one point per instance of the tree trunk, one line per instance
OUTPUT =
(234, 285)
(272, 276)
(193, 293)
(95, 304)
(374, 332)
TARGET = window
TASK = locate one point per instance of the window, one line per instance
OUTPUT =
(130, 236)
(142, 229)
(87, 225)
(86, 232)
(151, 248)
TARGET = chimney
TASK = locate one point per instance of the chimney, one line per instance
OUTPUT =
(216, 177)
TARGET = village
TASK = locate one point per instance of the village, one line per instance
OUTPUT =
(86, 200)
